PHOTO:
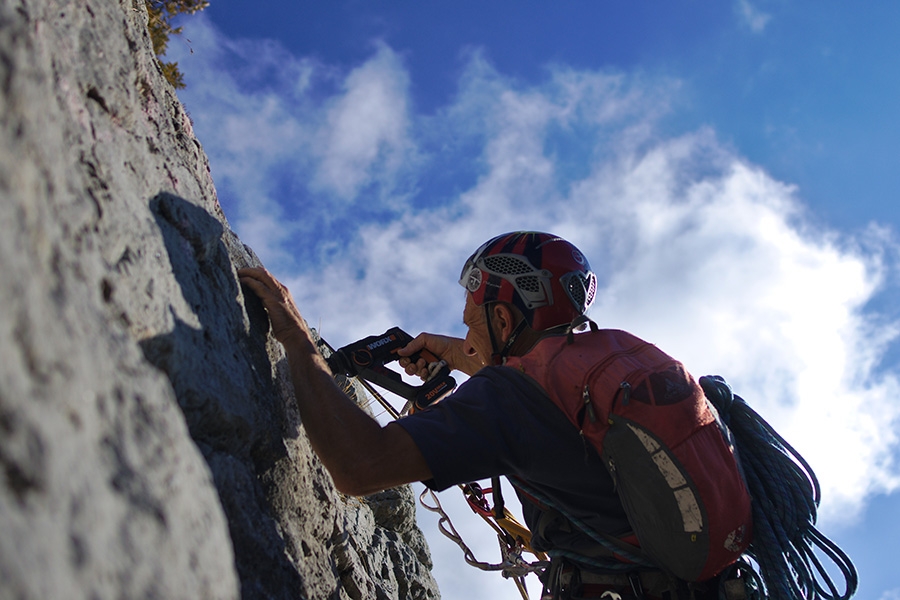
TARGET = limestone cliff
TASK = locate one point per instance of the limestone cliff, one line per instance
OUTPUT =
(148, 442)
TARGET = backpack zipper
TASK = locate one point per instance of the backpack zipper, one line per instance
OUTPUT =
(635, 376)
(586, 398)
(627, 395)
(586, 392)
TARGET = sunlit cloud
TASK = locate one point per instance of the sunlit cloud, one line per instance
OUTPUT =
(893, 594)
(364, 133)
(295, 142)
(723, 273)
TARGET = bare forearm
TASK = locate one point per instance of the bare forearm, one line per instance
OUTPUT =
(361, 456)
(337, 428)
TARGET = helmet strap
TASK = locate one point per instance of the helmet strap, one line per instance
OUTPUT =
(497, 357)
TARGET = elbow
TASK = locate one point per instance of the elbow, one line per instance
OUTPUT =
(352, 489)
(356, 480)
(391, 460)
(352, 486)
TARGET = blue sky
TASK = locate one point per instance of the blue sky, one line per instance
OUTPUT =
(732, 171)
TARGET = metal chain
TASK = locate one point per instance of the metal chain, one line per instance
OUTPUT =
(512, 565)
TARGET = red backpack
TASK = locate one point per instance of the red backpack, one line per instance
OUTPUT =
(668, 452)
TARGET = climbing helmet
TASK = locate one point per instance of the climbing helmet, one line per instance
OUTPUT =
(547, 278)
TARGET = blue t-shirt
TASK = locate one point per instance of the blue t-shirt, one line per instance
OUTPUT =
(500, 423)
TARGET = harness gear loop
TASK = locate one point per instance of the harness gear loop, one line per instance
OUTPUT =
(497, 492)
(500, 519)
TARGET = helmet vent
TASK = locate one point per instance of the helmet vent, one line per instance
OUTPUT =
(576, 291)
(507, 265)
(590, 287)
(581, 288)
(529, 283)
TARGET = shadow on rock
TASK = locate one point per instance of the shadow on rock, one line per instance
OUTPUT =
(223, 379)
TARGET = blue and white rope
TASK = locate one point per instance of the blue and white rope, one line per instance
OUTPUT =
(785, 496)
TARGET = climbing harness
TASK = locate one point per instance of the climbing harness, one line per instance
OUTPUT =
(612, 545)
(785, 495)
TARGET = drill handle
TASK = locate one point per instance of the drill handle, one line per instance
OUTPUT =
(367, 357)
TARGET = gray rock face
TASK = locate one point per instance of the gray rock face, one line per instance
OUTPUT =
(149, 447)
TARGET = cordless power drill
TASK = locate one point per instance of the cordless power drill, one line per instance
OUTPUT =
(367, 358)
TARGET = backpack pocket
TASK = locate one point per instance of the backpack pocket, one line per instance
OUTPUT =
(659, 497)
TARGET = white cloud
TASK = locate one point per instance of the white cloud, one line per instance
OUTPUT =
(294, 139)
(751, 16)
(697, 250)
(364, 134)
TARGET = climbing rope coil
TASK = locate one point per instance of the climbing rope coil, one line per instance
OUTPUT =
(785, 497)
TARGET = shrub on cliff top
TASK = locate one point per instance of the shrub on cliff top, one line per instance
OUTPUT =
(161, 14)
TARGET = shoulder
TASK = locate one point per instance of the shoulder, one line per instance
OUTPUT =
(491, 387)
(508, 381)
(563, 351)
(493, 393)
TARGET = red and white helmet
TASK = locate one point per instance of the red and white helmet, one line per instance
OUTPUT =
(545, 276)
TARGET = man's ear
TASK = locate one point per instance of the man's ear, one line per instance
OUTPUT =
(504, 319)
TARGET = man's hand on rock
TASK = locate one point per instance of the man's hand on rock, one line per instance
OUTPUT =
(276, 298)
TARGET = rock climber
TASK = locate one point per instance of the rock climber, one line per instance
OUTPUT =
(521, 288)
